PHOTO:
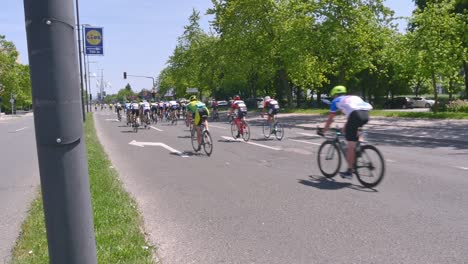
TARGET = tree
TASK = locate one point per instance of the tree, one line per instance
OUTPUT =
(437, 42)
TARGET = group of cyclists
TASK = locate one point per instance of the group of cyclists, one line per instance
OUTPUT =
(355, 109)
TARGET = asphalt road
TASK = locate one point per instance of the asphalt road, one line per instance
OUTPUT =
(266, 201)
(19, 178)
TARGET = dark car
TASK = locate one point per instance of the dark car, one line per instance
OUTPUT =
(398, 103)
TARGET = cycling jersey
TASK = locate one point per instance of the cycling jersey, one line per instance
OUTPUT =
(349, 103)
(199, 111)
(145, 106)
(135, 106)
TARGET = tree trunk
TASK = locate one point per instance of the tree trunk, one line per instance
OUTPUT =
(434, 85)
(284, 85)
(418, 87)
(465, 64)
(450, 90)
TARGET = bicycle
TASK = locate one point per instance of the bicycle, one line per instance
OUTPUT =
(366, 166)
(146, 120)
(243, 129)
(206, 140)
(119, 116)
(173, 117)
(276, 128)
(135, 123)
(215, 116)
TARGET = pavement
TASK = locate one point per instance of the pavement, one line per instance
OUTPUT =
(19, 178)
(265, 201)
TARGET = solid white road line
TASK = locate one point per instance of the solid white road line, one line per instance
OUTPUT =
(112, 120)
(210, 125)
(155, 128)
(159, 144)
(309, 135)
(306, 142)
(251, 143)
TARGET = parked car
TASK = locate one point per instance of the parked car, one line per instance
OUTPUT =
(254, 102)
(422, 102)
(223, 104)
(398, 103)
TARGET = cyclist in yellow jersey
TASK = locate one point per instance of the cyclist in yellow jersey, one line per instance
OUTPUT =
(199, 112)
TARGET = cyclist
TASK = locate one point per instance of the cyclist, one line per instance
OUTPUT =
(118, 108)
(173, 109)
(154, 110)
(214, 106)
(272, 106)
(135, 112)
(357, 113)
(145, 109)
(238, 106)
(199, 112)
(183, 107)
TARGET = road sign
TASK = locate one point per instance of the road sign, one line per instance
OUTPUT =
(12, 100)
(192, 90)
(94, 44)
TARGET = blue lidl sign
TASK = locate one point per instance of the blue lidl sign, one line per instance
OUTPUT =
(94, 41)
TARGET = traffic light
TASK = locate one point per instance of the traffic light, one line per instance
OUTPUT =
(125, 75)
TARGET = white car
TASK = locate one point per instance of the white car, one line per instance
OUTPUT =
(422, 102)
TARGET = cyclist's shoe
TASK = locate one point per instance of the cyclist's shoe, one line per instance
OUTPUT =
(346, 174)
(238, 135)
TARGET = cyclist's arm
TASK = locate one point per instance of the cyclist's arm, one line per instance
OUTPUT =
(331, 116)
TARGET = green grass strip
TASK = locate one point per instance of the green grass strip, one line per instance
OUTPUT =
(117, 223)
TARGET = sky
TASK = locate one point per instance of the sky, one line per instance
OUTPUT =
(139, 35)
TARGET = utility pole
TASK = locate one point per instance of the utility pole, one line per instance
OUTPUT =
(79, 54)
(59, 131)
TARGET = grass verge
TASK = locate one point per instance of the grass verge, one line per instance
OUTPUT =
(117, 223)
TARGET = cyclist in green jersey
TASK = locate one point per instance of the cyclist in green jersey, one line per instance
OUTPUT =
(199, 112)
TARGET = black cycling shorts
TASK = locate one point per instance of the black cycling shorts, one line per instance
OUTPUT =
(135, 112)
(356, 119)
(272, 111)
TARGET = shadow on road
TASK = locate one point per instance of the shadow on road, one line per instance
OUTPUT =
(324, 183)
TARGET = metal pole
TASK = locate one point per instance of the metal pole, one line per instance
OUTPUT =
(59, 131)
(89, 86)
(86, 79)
(81, 62)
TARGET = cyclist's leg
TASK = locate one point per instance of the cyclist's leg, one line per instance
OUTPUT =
(356, 119)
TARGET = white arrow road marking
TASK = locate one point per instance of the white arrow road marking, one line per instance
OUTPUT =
(308, 134)
(210, 125)
(158, 144)
(251, 143)
(306, 142)
(155, 128)
(462, 168)
(389, 160)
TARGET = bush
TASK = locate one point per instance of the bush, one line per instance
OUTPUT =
(458, 106)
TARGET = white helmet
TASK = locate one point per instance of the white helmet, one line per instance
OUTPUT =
(267, 98)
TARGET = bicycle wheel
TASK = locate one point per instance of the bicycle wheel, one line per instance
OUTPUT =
(279, 131)
(370, 166)
(207, 142)
(329, 159)
(193, 138)
(245, 131)
(135, 127)
(266, 130)
(234, 130)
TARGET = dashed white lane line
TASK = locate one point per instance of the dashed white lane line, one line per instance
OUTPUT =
(115, 120)
(251, 143)
(306, 142)
(155, 128)
(391, 161)
(210, 125)
(309, 135)
(17, 130)
(462, 168)
(158, 144)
